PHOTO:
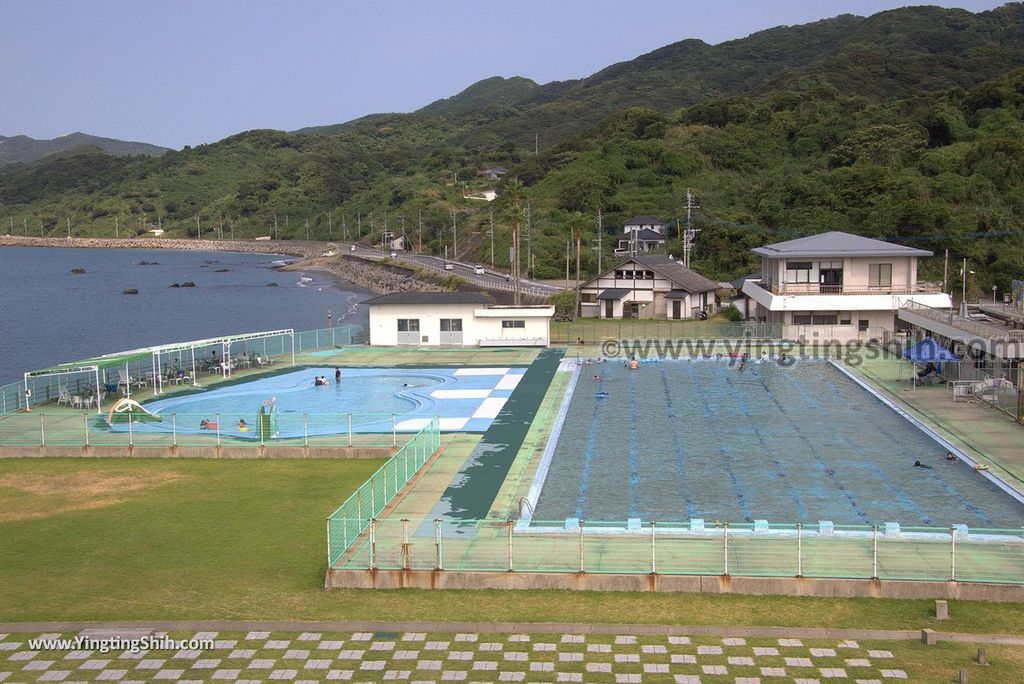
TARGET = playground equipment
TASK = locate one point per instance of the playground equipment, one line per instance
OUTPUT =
(267, 419)
(123, 409)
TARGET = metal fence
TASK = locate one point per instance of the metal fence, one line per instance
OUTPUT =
(595, 330)
(752, 550)
(262, 352)
(347, 523)
(48, 428)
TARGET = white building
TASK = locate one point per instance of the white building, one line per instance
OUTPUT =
(838, 286)
(648, 287)
(642, 234)
(456, 319)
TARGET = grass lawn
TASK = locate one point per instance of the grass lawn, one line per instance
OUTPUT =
(168, 539)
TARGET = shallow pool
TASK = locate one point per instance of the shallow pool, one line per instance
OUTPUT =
(465, 399)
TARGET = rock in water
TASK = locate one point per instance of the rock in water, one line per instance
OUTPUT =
(130, 290)
(271, 284)
(78, 270)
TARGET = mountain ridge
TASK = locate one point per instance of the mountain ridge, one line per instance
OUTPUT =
(22, 149)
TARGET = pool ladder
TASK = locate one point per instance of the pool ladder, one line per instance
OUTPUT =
(525, 506)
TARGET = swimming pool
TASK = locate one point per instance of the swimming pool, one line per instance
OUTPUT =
(707, 439)
(465, 399)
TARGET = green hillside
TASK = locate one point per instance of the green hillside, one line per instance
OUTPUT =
(21, 149)
(905, 124)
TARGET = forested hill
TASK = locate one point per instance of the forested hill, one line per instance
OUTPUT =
(21, 149)
(905, 124)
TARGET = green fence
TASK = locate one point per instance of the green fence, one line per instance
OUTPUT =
(841, 552)
(142, 368)
(350, 520)
(68, 429)
(595, 330)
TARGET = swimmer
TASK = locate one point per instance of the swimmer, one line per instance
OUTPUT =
(918, 464)
(337, 376)
(633, 364)
(981, 466)
(597, 377)
(242, 425)
(950, 456)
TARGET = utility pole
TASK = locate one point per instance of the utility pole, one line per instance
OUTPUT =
(199, 228)
(405, 240)
(419, 229)
(568, 255)
(579, 237)
(330, 225)
(359, 225)
(492, 237)
(455, 235)
(689, 234)
(231, 224)
(69, 226)
(536, 144)
(159, 222)
(277, 233)
(220, 227)
(945, 271)
(307, 229)
(40, 228)
(529, 241)
(600, 249)
(24, 225)
(344, 227)
(117, 228)
(515, 188)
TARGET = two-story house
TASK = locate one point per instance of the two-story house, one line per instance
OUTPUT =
(648, 287)
(641, 234)
(838, 286)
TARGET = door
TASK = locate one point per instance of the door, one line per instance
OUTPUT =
(677, 309)
(609, 308)
(830, 277)
(451, 331)
(408, 331)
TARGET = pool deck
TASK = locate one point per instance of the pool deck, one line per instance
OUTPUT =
(985, 433)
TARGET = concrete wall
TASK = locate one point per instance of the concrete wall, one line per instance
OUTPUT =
(710, 584)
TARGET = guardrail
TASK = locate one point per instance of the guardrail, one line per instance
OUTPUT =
(354, 515)
(681, 548)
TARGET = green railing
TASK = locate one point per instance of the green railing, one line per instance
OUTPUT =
(749, 550)
(350, 520)
(596, 330)
(86, 428)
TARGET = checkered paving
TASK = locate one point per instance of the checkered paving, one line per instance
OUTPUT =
(464, 657)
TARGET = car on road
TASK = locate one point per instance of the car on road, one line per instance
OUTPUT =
(448, 267)
(478, 269)
(394, 254)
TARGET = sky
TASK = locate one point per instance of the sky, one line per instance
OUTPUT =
(187, 72)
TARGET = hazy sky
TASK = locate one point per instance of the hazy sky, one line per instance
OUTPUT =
(182, 72)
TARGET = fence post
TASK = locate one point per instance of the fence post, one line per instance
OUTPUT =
(725, 537)
(437, 545)
(405, 543)
(952, 554)
(654, 552)
(509, 525)
(373, 497)
(359, 507)
(874, 552)
(130, 435)
(350, 429)
(217, 417)
(42, 430)
(373, 543)
(174, 429)
(85, 424)
(581, 546)
(799, 549)
(305, 429)
(394, 430)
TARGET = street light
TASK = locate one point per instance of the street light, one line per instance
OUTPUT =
(963, 297)
(994, 287)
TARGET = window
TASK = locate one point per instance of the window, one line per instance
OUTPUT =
(798, 271)
(862, 325)
(801, 318)
(824, 319)
(588, 298)
(408, 325)
(451, 325)
(879, 275)
(513, 324)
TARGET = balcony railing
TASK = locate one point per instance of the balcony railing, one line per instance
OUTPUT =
(853, 289)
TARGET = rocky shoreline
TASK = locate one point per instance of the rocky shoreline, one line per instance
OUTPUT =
(363, 273)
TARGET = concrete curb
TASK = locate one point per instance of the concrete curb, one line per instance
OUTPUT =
(512, 627)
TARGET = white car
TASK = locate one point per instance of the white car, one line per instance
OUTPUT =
(394, 254)
(479, 270)
(448, 267)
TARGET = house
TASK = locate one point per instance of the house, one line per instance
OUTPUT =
(485, 195)
(648, 287)
(463, 319)
(746, 306)
(642, 234)
(493, 173)
(156, 232)
(838, 286)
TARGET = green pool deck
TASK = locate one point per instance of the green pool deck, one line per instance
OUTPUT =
(987, 434)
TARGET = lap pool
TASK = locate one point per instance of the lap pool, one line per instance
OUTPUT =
(705, 438)
(465, 399)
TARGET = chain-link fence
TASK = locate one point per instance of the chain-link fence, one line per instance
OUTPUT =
(752, 550)
(347, 523)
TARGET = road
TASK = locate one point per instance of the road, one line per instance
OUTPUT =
(491, 279)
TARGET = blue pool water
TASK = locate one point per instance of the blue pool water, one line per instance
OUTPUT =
(465, 399)
(676, 440)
